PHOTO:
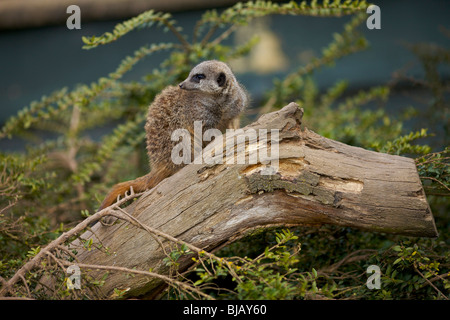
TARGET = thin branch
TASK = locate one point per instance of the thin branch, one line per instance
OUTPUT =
(429, 282)
(147, 273)
(195, 32)
(68, 252)
(26, 285)
(173, 239)
(209, 35)
(58, 261)
(180, 37)
(137, 223)
(60, 240)
(224, 35)
(436, 180)
(10, 204)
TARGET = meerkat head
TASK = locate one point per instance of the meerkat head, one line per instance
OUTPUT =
(211, 77)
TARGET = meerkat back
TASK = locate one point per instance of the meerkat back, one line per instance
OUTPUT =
(210, 94)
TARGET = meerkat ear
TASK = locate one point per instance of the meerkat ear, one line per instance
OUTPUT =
(221, 79)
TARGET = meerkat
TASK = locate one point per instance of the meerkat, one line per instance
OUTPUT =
(210, 94)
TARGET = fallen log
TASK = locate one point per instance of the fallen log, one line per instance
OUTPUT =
(314, 181)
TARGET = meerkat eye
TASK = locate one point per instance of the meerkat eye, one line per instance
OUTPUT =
(221, 79)
(197, 77)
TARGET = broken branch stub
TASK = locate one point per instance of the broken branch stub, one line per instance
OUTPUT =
(317, 181)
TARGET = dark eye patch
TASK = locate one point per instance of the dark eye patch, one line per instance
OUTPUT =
(197, 77)
(221, 79)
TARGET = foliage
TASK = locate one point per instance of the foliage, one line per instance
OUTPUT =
(265, 276)
(332, 264)
(434, 167)
(59, 180)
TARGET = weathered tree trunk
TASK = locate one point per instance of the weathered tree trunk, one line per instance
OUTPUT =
(319, 181)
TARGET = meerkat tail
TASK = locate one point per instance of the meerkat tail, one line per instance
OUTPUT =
(139, 185)
(120, 189)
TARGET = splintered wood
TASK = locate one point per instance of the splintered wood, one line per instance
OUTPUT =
(314, 181)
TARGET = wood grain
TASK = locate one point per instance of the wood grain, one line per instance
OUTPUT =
(319, 181)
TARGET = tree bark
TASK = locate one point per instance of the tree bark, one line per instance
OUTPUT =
(319, 181)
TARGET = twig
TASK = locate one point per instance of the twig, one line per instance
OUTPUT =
(10, 204)
(137, 223)
(429, 282)
(58, 261)
(26, 285)
(61, 239)
(224, 35)
(67, 252)
(148, 273)
(436, 180)
(209, 35)
(170, 238)
(351, 257)
(177, 34)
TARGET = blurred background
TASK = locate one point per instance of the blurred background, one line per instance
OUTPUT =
(87, 135)
(39, 54)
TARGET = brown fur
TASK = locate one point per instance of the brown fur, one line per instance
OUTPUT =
(208, 98)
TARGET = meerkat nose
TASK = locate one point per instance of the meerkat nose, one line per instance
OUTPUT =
(181, 85)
